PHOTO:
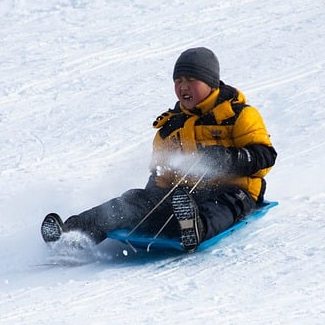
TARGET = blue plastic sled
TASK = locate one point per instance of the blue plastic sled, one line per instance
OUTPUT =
(141, 241)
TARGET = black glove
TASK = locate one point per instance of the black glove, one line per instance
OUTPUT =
(231, 160)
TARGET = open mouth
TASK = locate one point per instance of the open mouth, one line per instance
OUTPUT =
(187, 97)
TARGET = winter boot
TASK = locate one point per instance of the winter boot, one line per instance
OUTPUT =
(186, 212)
(51, 228)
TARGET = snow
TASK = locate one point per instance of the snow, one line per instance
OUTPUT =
(81, 82)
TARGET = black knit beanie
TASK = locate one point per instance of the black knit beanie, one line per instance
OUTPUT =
(199, 63)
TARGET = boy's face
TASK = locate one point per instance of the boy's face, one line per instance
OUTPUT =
(190, 91)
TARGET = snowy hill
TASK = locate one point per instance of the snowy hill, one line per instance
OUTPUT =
(80, 83)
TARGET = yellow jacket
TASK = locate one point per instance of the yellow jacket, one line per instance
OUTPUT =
(222, 119)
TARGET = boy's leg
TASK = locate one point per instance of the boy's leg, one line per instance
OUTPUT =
(123, 212)
(218, 210)
(221, 208)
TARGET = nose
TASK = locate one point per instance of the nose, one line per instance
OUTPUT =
(184, 84)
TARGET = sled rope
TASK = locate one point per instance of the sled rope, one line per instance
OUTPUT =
(163, 199)
(171, 216)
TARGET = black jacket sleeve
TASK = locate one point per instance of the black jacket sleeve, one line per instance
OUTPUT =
(253, 158)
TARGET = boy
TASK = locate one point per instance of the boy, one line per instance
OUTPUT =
(210, 155)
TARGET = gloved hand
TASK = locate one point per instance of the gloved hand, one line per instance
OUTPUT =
(217, 156)
(226, 160)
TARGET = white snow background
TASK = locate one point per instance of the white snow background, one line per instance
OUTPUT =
(81, 82)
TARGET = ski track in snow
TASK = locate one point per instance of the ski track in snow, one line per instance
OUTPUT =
(81, 82)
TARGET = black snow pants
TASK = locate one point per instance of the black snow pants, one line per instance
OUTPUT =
(219, 208)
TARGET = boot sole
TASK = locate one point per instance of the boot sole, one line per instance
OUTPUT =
(51, 228)
(185, 211)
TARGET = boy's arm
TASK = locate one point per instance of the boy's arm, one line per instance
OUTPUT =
(245, 161)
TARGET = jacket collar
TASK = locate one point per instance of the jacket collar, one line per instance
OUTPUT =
(219, 102)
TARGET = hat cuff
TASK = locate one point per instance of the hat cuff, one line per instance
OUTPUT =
(197, 72)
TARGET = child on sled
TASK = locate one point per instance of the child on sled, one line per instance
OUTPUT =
(210, 155)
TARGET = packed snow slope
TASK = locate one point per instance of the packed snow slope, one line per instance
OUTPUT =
(80, 83)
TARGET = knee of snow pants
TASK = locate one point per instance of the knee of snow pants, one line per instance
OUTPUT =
(219, 209)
